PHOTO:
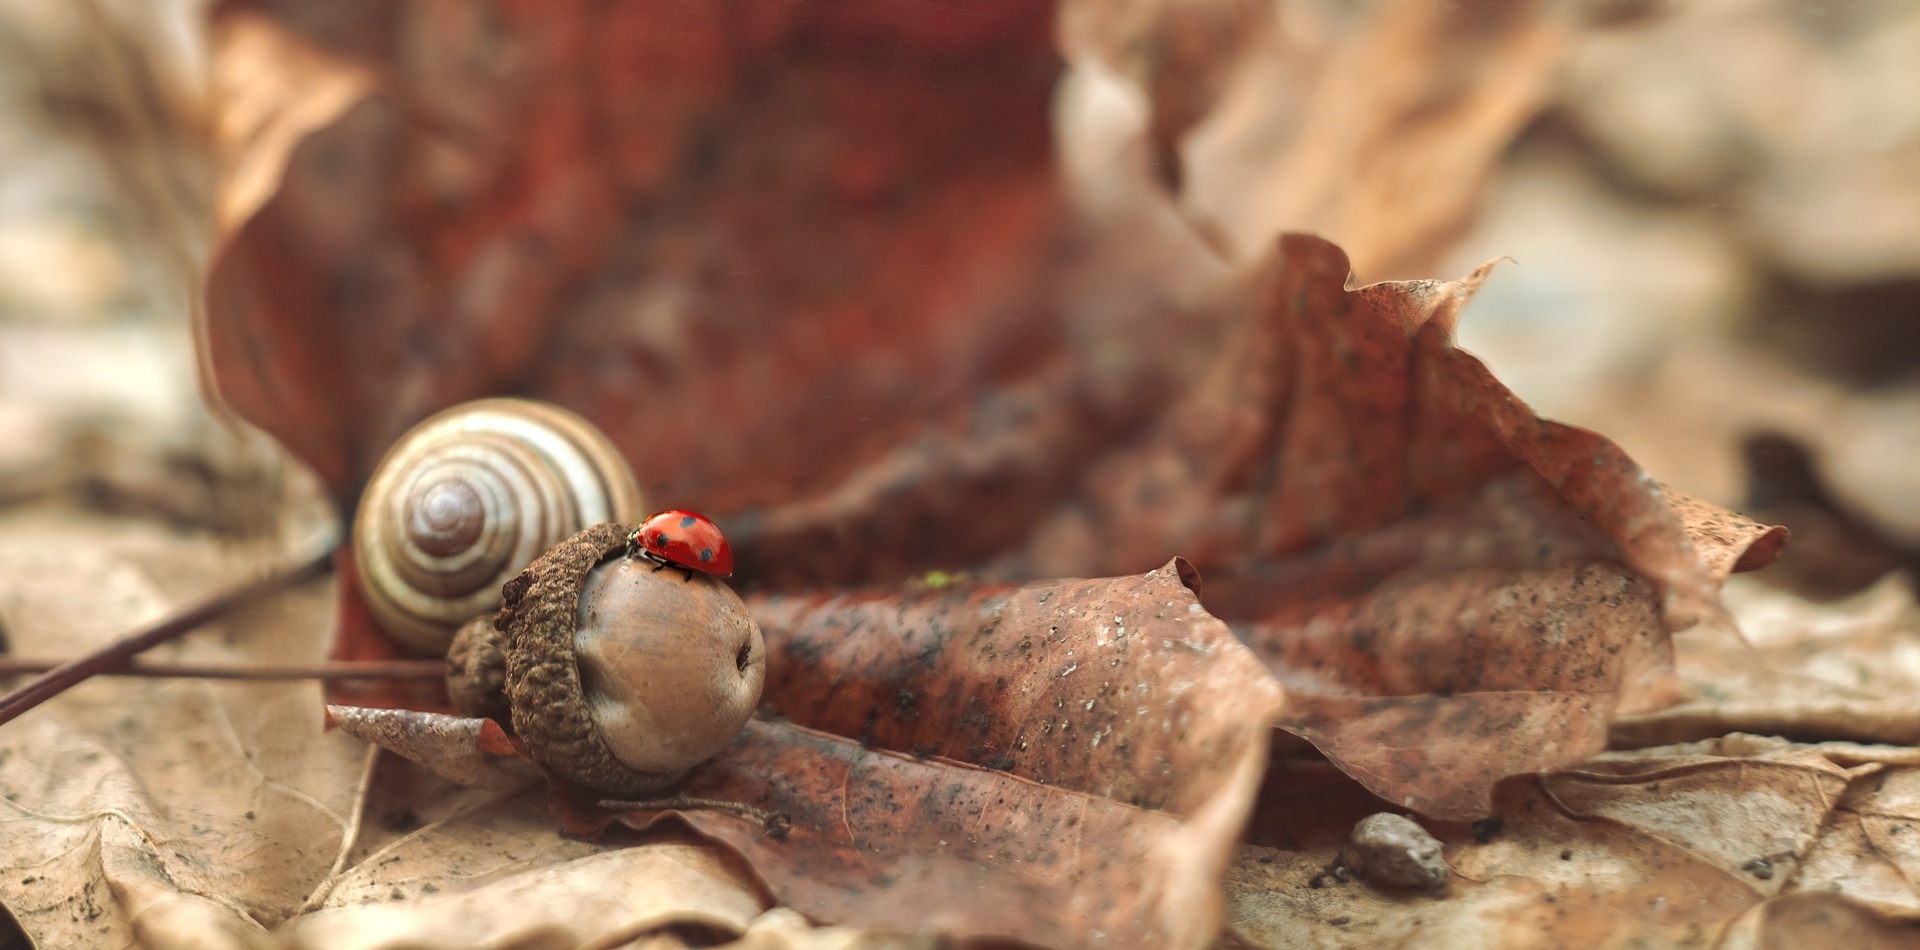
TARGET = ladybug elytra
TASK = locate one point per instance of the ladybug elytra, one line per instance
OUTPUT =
(682, 539)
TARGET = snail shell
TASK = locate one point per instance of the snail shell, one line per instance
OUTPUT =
(467, 499)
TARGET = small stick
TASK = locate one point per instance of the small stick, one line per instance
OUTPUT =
(777, 824)
(116, 654)
(339, 670)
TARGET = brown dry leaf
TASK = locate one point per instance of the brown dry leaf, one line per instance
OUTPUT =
(597, 900)
(758, 233)
(882, 839)
(698, 210)
(195, 814)
(785, 929)
(1059, 772)
(774, 201)
(1799, 124)
(1845, 671)
(1729, 246)
(1047, 764)
(273, 91)
(1453, 589)
(1104, 687)
(1740, 839)
(1377, 126)
(135, 808)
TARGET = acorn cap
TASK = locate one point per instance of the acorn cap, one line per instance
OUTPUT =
(550, 712)
(477, 670)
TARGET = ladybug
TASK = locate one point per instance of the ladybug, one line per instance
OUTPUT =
(686, 540)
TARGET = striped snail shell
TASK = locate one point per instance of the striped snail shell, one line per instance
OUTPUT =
(467, 499)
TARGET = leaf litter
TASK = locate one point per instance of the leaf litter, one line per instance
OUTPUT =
(1089, 786)
(1463, 503)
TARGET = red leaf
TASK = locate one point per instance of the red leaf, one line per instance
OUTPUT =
(670, 218)
(881, 839)
(1453, 589)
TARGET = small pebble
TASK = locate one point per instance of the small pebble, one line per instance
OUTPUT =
(1394, 851)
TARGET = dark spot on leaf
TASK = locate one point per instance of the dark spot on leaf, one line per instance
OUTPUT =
(1487, 829)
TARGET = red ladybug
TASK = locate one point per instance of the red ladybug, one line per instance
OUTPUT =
(684, 539)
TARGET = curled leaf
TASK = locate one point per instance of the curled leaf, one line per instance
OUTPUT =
(1109, 687)
(1758, 842)
(1453, 589)
(882, 839)
(1031, 763)
(468, 751)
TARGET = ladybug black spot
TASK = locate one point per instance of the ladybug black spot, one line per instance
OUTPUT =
(706, 554)
(687, 521)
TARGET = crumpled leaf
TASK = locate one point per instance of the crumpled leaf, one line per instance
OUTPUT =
(1042, 764)
(1107, 687)
(785, 929)
(476, 752)
(1788, 127)
(1377, 126)
(882, 839)
(598, 900)
(656, 152)
(203, 814)
(1712, 844)
(1453, 589)
(1844, 671)
(137, 808)
(741, 234)
(274, 91)
(698, 251)
(1765, 291)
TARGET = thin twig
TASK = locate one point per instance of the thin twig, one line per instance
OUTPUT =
(338, 670)
(116, 654)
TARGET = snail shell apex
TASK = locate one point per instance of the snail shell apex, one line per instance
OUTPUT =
(467, 499)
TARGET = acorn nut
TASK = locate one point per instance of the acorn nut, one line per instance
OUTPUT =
(615, 675)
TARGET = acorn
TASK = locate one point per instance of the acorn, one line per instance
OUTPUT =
(615, 674)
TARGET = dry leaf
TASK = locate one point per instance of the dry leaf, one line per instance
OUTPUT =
(1047, 764)
(274, 91)
(140, 807)
(1376, 127)
(1453, 589)
(1799, 124)
(1845, 671)
(753, 190)
(773, 227)
(785, 929)
(597, 900)
(189, 814)
(1674, 846)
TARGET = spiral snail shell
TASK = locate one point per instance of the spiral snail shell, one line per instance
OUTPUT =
(471, 496)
